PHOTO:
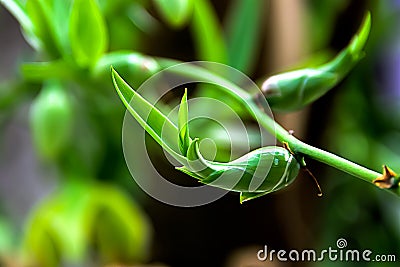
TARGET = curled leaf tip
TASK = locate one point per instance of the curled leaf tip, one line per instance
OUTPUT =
(387, 179)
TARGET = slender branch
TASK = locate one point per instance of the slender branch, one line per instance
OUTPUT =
(320, 155)
(281, 134)
(331, 159)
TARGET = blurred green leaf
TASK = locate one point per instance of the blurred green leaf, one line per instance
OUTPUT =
(18, 10)
(322, 20)
(175, 12)
(60, 16)
(12, 93)
(41, 14)
(243, 25)
(127, 20)
(6, 237)
(88, 35)
(80, 217)
(51, 120)
(134, 60)
(119, 40)
(111, 8)
(142, 18)
(136, 66)
(39, 71)
(130, 239)
(207, 33)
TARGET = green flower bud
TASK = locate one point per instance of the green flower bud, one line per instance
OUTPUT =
(51, 120)
(255, 174)
(296, 89)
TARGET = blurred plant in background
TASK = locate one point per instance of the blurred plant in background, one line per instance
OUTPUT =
(92, 218)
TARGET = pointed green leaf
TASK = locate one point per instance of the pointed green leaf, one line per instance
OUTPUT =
(359, 40)
(243, 33)
(155, 123)
(175, 12)
(344, 62)
(184, 138)
(207, 32)
(87, 34)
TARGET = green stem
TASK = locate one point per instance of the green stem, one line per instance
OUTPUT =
(320, 155)
(328, 158)
(274, 128)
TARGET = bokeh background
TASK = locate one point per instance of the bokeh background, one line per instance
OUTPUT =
(70, 200)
